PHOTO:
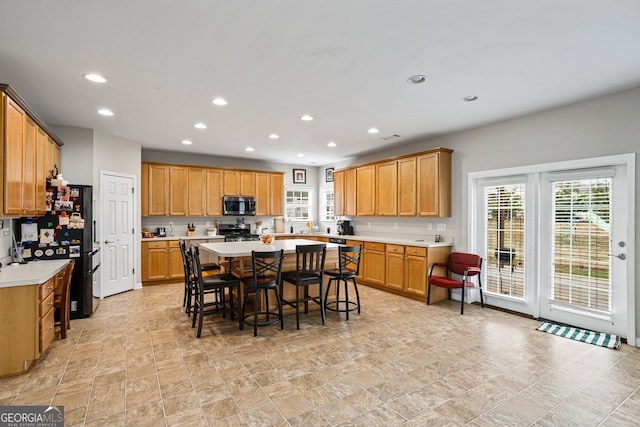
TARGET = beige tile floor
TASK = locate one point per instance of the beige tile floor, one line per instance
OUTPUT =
(137, 362)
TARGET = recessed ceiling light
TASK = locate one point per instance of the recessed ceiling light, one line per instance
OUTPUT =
(96, 78)
(219, 101)
(373, 130)
(200, 126)
(105, 112)
(249, 149)
(186, 142)
(417, 79)
(470, 98)
(331, 144)
(300, 155)
(274, 136)
(306, 118)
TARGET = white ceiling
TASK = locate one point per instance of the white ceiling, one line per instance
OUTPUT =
(343, 61)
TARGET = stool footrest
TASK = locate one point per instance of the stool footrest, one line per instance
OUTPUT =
(335, 306)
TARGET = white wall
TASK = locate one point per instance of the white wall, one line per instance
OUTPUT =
(76, 155)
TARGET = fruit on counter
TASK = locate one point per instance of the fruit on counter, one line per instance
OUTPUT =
(266, 238)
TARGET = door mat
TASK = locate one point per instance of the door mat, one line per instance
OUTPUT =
(596, 338)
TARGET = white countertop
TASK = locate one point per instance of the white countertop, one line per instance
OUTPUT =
(198, 237)
(30, 274)
(233, 249)
(394, 240)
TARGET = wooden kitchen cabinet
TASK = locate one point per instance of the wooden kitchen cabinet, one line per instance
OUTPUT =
(386, 194)
(434, 183)
(161, 261)
(395, 267)
(350, 192)
(213, 194)
(269, 194)
(41, 171)
(263, 194)
(415, 280)
(407, 187)
(14, 118)
(196, 191)
(365, 190)
(277, 194)
(164, 190)
(26, 313)
(24, 156)
(374, 265)
(338, 193)
(239, 183)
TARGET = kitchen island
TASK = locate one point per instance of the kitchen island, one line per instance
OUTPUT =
(239, 256)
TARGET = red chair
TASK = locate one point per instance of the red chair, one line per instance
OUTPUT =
(464, 266)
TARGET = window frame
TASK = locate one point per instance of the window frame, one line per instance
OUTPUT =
(288, 206)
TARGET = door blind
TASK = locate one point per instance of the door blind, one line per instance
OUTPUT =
(505, 225)
(582, 233)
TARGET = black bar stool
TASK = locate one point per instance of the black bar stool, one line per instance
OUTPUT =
(266, 275)
(309, 271)
(348, 269)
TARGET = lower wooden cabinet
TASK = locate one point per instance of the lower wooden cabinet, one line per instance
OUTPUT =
(161, 261)
(373, 263)
(26, 315)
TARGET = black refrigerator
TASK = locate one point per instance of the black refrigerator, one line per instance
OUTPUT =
(66, 231)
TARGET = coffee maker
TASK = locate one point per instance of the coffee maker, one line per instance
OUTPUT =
(345, 228)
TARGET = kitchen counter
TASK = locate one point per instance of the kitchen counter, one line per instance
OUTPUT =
(241, 249)
(198, 237)
(407, 241)
(30, 274)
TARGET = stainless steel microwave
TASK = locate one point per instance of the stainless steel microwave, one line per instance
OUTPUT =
(232, 205)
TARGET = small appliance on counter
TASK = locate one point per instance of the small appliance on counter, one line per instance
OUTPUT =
(161, 232)
(345, 228)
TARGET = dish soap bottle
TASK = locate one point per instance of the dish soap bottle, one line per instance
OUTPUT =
(291, 229)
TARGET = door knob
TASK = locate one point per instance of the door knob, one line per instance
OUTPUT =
(106, 242)
(619, 256)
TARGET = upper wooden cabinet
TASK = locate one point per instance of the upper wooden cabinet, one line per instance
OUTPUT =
(417, 184)
(277, 194)
(196, 191)
(338, 193)
(24, 152)
(239, 183)
(407, 187)
(178, 190)
(434, 183)
(213, 194)
(269, 194)
(386, 196)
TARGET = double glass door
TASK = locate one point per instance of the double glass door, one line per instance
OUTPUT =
(554, 244)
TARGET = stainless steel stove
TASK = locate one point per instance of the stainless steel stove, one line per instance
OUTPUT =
(237, 232)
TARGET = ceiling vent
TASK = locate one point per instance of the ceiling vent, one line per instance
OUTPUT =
(390, 137)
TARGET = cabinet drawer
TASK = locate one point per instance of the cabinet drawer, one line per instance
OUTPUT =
(174, 243)
(395, 249)
(373, 246)
(47, 287)
(46, 330)
(156, 245)
(46, 304)
(414, 250)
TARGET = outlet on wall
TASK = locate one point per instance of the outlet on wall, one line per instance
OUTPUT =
(368, 224)
(170, 223)
(442, 226)
(429, 226)
(395, 225)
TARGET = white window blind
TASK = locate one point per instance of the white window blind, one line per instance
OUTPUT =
(582, 233)
(505, 224)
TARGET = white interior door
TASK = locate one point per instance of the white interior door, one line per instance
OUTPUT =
(117, 245)
(583, 240)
